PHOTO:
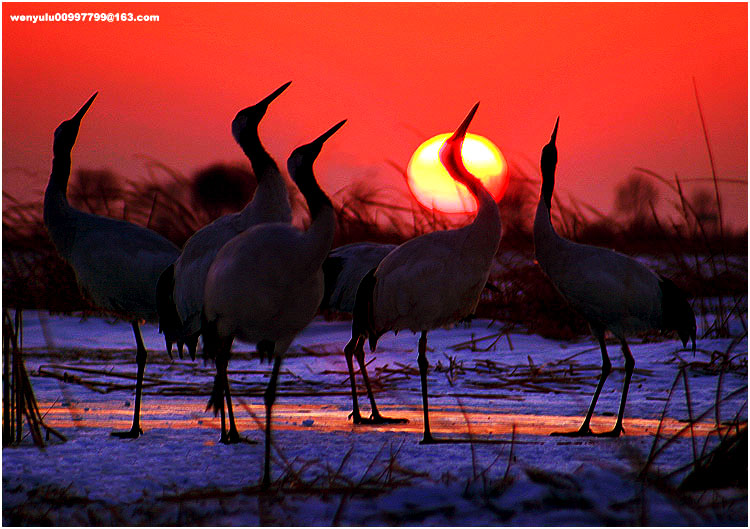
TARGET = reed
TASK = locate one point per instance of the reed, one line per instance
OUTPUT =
(19, 402)
(709, 264)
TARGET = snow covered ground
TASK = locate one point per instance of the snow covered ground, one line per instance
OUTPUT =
(506, 393)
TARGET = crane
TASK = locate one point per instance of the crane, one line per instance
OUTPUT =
(344, 269)
(610, 290)
(117, 264)
(181, 287)
(265, 285)
(430, 281)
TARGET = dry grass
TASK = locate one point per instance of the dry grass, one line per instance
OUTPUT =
(703, 257)
(19, 402)
(715, 478)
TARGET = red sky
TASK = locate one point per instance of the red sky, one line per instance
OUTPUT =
(620, 76)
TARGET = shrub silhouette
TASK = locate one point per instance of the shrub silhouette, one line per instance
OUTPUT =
(220, 189)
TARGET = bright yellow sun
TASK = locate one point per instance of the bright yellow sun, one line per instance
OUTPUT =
(434, 188)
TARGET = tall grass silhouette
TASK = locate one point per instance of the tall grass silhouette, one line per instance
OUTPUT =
(686, 239)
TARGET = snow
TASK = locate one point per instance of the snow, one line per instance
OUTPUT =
(327, 471)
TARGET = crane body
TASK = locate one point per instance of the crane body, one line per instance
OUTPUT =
(183, 285)
(612, 291)
(265, 286)
(427, 282)
(117, 264)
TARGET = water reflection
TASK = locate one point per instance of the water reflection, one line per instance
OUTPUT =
(177, 413)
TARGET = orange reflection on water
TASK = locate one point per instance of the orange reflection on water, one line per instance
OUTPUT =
(177, 413)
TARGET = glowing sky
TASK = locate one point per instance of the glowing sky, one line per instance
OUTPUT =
(620, 76)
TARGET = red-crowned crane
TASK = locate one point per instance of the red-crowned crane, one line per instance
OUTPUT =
(265, 286)
(430, 281)
(117, 264)
(181, 287)
(344, 269)
(610, 290)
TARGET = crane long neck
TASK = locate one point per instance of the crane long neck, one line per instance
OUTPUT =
(486, 228)
(323, 224)
(487, 219)
(548, 185)
(546, 239)
(543, 219)
(543, 229)
(55, 197)
(271, 200)
(485, 200)
(58, 179)
(263, 165)
(317, 200)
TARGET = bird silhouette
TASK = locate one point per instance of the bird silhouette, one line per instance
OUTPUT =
(117, 264)
(181, 287)
(610, 290)
(265, 285)
(430, 281)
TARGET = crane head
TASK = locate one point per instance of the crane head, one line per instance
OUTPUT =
(450, 152)
(67, 132)
(548, 164)
(549, 152)
(249, 118)
(302, 158)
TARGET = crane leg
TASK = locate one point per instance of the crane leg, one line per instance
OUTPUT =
(233, 435)
(140, 358)
(375, 417)
(169, 348)
(629, 366)
(212, 348)
(585, 430)
(217, 396)
(423, 364)
(192, 344)
(269, 397)
(223, 438)
(349, 353)
(222, 362)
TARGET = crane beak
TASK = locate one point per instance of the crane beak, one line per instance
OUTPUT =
(79, 115)
(452, 146)
(324, 137)
(463, 127)
(553, 138)
(274, 95)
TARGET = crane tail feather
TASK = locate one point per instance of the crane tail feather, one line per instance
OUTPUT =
(332, 267)
(362, 320)
(169, 320)
(677, 314)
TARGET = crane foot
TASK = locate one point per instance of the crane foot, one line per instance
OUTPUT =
(582, 432)
(615, 432)
(133, 433)
(232, 438)
(375, 419)
(379, 419)
(427, 439)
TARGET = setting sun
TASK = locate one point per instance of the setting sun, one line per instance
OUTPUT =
(433, 187)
